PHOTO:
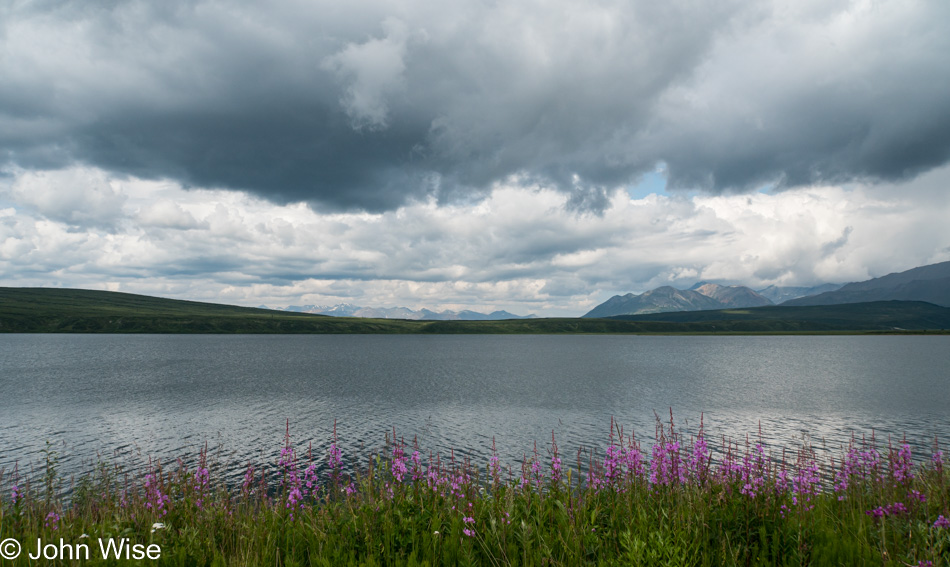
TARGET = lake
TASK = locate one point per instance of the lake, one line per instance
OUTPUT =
(164, 396)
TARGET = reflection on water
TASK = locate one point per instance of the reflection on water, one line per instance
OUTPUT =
(168, 395)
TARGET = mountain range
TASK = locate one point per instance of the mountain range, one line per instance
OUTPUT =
(926, 283)
(929, 284)
(348, 310)
(701, 297)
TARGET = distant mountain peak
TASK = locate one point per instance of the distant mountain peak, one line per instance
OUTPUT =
(665, 299)
(424, 314)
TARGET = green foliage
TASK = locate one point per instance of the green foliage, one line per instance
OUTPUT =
(455, 518)
(48, 310)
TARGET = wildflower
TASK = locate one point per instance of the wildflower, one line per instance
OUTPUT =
(916, 495)
(877, 513)
(157, 526)
(697, 463)
(52, 518)
(942, 522)
(310, 478)
(753, 471)
(248, 479)
(468, 520)
(665, 466)
(335, 459)
(416, 466)
(493, 468)
(613, 465)
(806, 484)
(202, 478)
(155, 498)
(897, 509)
(84, 536)
(399, 468)
(633, 459)
(902, 465)
(468, 532)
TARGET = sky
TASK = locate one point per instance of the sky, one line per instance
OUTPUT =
(537, 157)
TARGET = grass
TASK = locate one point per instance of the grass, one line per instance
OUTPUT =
(50, 310)
(678, 503)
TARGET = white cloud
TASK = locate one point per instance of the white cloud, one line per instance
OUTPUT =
(519, 249)
(167, 214)
(78, 196)
(372, 72)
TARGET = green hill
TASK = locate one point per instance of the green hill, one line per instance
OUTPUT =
(31, 310)
(50, 310)
(871, 316)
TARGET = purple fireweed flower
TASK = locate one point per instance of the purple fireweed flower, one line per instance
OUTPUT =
(202, 480)
(155, 500)
(15, 495)
(310, 479)
(753, 472)
(398, 467)
(555, 462)
(729, 469)
(877, 513)
(433, 477)
(468, 532)
(468, 520)
(698, 462)
(805, 484)
(902, 465)
(494, 469)
(52, 520)
(248, 480)
(925, 563)
(613, 465)
(536, 472)
(665, 465)
(897, 509)
(937, 460)
(916, 495)
(849, 468)
(633, 460)
(555, 469)
(942, 523)
(595, 480)
(335, 457)
(294, 497)
(417, 473)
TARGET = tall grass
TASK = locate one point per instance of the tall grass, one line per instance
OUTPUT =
(678, 502)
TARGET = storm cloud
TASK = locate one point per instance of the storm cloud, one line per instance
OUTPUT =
(375, 106)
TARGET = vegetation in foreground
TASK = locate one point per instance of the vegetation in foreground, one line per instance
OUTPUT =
(679, 504)
(50, 310)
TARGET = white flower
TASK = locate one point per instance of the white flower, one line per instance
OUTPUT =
(436, 532)
(157, 526)
(83, 536)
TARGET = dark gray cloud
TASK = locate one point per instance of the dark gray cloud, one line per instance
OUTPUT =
(367, 107)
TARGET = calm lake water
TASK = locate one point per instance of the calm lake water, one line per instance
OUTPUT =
(134, 396)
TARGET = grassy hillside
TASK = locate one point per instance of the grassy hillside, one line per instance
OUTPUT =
(38, 310)
(872, 316)
(29, 310)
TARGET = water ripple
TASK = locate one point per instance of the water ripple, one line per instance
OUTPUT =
(129, 398)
